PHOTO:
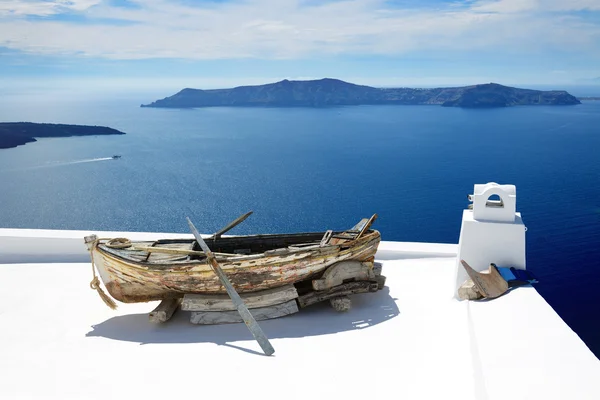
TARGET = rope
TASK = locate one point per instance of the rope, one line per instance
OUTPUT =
(95, 283)
(118, 243)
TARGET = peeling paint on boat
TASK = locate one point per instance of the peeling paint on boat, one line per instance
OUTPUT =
(131, 282)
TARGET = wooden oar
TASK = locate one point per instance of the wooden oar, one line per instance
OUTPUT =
(217, 235)
(182, 252)
(249, 320)
(355, 232)
(231, 225)
(367, 225)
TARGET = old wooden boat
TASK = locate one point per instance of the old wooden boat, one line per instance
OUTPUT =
(145, 271)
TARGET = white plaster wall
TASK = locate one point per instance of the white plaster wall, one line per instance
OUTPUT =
(51, 246)
(408, 250)
(508, 195)
(482, 243)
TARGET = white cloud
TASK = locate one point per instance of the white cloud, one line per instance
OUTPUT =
(569, 5)
(506, 6)
(295, 29)
(44, 8)
(516, 6)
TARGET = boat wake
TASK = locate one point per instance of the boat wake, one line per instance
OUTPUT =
(85, 161)
(54, 164)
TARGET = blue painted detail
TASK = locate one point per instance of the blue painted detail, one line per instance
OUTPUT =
(506, 273)
(514, 275)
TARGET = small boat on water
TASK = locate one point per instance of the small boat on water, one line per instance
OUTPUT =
(116, 157)
(146, 271)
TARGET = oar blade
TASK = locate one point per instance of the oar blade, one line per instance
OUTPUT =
(249, 320)
(232, 225)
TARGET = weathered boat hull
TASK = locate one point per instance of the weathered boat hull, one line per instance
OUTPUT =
(132, 281)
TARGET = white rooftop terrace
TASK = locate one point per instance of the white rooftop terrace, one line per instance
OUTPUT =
(412, 340)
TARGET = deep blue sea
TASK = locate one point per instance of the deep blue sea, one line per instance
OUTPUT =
(303, 169)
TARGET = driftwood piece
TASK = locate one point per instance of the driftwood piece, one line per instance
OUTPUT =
(165, 310)
(468, 291)
(341, 304)
(489, 283)
(230, 317)
(219, 302)
(343, 271)
(337, 291)
(377, 268)
(380, 279)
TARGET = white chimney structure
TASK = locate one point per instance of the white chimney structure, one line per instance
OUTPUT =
(491, 231)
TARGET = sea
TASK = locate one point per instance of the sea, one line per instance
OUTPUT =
(313, 169)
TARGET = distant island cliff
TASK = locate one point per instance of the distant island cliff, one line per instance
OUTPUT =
(333, 92)
(13, 134)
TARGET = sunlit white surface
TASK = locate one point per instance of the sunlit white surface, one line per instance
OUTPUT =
(410, 340)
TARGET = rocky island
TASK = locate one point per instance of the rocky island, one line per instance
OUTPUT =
(334, 92)
(13, 134)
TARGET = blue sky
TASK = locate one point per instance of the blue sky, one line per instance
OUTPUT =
(223, 43)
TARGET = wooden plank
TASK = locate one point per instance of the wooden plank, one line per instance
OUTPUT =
(377, 268)
(341, 272)
(165, 310)
(355, 233)
(361, 224)
(489, 283)
(230, 317)
(342, 290)
(344, 236)
(367, 226)
(220, 302)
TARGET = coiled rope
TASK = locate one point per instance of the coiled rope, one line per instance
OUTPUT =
(117, 243)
